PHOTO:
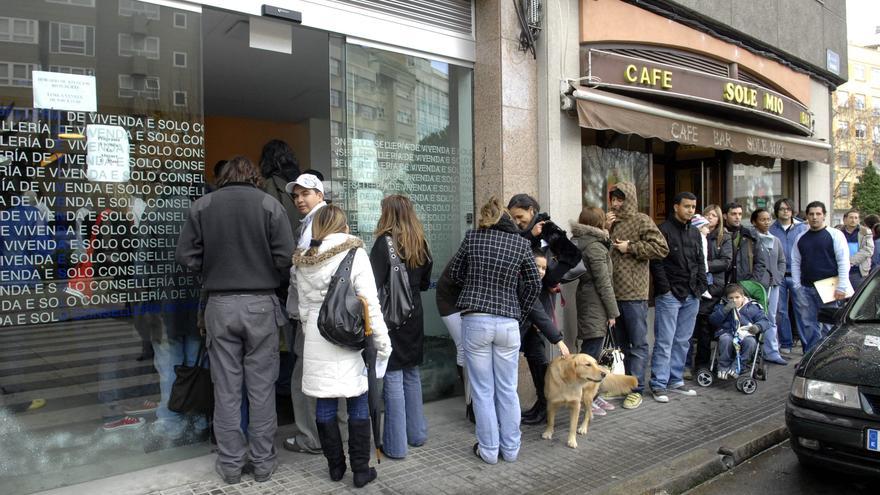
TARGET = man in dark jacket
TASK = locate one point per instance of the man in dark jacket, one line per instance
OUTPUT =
(238, 239)
(679, 280)
(733, 214)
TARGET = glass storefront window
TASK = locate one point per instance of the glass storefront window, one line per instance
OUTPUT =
(408, 130)
(99, 161)
(759, 182)
(602, 167)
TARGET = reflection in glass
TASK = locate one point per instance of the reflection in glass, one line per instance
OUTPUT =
(407, 130)
(601, 168)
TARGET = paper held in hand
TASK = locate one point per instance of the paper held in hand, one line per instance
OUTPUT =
(826, 288)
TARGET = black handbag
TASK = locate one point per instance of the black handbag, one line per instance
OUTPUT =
(395, 296)
(193, 390)
(341, 319)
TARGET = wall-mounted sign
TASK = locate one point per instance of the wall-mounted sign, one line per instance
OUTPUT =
(832, 61)
(57, 91)
(631, 74)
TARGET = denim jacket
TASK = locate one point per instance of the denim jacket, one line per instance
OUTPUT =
(787, 238)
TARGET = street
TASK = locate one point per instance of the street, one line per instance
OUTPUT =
(777, 471)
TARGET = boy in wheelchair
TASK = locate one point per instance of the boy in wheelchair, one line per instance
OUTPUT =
(738, 321)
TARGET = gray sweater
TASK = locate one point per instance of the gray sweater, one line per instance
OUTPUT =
(238, 238)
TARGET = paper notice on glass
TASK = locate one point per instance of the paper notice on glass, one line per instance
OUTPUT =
(57, 91)
(107, 153)
(827, 287)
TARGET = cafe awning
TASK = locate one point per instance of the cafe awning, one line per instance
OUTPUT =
(599, 109)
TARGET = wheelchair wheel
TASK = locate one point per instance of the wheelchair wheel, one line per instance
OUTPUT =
(746, 385)
(704, 377)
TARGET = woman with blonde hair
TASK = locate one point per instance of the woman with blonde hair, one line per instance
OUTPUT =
(500, 282)
(330, 371)
(400, 237)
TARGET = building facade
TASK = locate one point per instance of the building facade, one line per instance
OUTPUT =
(856, 124)
(114, 113)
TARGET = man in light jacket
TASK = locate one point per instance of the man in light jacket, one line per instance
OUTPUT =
(828, 255)
(787, 229)
(860, 241)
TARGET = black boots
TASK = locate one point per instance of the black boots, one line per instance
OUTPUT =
(538, 413)
(359, 451)
(331, 444)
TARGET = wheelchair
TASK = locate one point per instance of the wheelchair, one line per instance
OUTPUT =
(747, 382)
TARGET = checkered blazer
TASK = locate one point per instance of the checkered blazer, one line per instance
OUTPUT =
(497, 273)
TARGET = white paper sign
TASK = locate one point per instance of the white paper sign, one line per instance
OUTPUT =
(107, 153)
(57, 91)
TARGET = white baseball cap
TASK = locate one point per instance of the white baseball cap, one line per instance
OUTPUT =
(307, 181)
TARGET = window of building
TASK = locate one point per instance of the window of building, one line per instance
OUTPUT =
(875, 104)
(859, 101)
(335, 66)
(77, 3)
(180, 98)
(335, 98)
(366, 111)
(147, 46)
(858, 72)
(404, 117)
(72, 39)
(132, 86)
(842, 98)
(17, 74)
(67, 69)
(128, 8)
(843, 160)
(180, 20)
(861, 160)
(180, 59)
(844, 189)
(875, 76)
(18, 30)
(861, 130)
(842, 128)
(876, 134)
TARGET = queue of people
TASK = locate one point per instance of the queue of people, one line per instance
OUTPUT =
(267, 259)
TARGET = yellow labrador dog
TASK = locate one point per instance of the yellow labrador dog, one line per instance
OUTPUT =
(576, 380)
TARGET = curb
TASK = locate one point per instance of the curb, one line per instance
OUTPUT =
(707, 461)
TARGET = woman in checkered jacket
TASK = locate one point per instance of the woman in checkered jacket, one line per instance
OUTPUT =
(500, 282)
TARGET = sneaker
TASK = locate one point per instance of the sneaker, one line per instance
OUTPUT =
(785, 350)
(684, 391)
(136, 408)
(292, 445)
(266, 476)
(660, 396)
(632, 401)
(597, 411)
(604, 404)
(126, 423)
(229, 479)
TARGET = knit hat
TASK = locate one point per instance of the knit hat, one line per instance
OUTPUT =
(698, 221)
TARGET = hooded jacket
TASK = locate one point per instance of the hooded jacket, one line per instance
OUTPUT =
(328, 369)
(631, 276)
(862, 258)
(595, 295)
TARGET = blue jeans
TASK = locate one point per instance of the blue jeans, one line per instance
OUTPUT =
(326, 408)
(166, 355)
(631, 332)
(491, 352)
(593, 347)
(726, 354)
(404, 417)
(808, 304)
(673, 326)
(771, 343)
(855, 277)
(783, 319)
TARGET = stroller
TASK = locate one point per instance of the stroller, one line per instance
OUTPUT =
(753, 370)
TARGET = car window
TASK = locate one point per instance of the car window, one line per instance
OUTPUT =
(867, 306)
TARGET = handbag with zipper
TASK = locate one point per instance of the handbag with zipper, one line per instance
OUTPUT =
(341, 319)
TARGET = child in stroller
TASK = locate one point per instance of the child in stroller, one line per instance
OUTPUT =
(739, 320)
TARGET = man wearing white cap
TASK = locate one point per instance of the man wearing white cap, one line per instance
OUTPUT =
(307, 192)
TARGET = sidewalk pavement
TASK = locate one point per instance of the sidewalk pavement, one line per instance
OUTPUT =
(657, 447)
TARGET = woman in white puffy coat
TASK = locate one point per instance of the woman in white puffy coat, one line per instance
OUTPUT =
(331, 371)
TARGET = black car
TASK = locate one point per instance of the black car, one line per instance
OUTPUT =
(833, 411)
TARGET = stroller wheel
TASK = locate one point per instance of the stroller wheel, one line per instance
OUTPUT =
(746, 385)
(761, 372)
(704, 377)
